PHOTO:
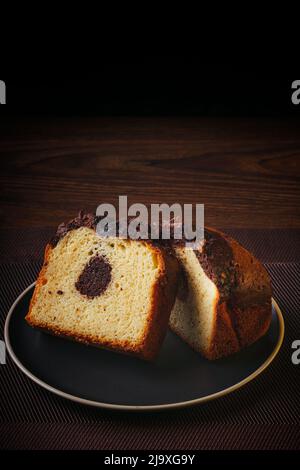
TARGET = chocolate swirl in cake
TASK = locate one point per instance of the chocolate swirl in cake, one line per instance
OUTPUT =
(95, 277)
(216, 259)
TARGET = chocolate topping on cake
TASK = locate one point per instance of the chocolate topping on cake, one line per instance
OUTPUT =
(95, 277)
(82, 220)
(216, 257)
(90, 221)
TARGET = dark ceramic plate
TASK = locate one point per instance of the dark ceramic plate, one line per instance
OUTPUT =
(179, 377)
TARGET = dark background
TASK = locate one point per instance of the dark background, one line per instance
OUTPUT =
(152, 85)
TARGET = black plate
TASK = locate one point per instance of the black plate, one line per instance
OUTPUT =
(178, 377)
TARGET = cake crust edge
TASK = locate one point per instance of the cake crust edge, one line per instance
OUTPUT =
(243, 308)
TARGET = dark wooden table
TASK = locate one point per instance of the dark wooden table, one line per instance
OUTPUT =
(245, 171)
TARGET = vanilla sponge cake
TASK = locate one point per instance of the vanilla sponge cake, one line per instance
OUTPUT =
(224, 298)
(110, 292)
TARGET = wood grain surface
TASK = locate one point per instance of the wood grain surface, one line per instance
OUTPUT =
(245, 171)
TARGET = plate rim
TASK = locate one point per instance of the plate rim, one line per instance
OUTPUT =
(166, 406)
